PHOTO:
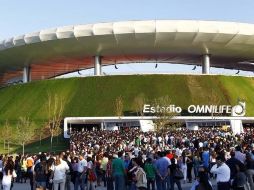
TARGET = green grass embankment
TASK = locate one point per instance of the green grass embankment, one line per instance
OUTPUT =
(95, 96)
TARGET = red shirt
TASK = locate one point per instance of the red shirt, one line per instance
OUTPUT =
(170, 156)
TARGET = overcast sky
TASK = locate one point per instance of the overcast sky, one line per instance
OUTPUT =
(24, 16)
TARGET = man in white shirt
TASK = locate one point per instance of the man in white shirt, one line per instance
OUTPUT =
(223, 173)
(81, 178)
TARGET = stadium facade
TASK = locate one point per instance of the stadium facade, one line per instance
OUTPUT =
(52, 52)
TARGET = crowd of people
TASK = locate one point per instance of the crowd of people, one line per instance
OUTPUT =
(129, 159)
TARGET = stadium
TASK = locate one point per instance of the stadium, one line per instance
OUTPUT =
(31, 63)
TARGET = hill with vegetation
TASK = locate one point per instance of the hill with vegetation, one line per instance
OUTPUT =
(96, 96)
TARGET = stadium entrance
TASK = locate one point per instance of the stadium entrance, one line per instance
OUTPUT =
(196, 124)
(146, 123)
(84, 126)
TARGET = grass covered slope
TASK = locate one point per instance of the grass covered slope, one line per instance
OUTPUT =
(95, 96)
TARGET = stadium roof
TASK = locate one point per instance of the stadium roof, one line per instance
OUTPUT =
(56, 51)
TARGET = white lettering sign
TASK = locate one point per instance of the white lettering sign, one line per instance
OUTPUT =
(238, 110)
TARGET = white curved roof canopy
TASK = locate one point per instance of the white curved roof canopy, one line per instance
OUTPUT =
(230, 44)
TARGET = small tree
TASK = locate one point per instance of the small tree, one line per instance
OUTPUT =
(138, 104)
(163, 116)
(119, 106)
(55, 108)
(7, 135)
(24, 132)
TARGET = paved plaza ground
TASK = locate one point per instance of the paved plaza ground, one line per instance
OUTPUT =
(26, 186)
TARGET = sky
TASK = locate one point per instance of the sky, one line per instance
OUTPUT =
(24, 16)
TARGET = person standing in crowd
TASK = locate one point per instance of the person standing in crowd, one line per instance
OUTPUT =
(150, 174)
(23, 169)
(232, 164)
(131, 175)
(1, 168)
(161, 165)
(60, 169)
(206, 158)
(81, 175)
(41, 172)
(74, 166)
(17, 168)
(69, 173)
(196, 163)
(239, 155)
(189, 162)
(109, 174)
(183, 164)
(141, 179)
(91, 177)
(169, 163)
(223, 173)
(8, 175)
(171, 172)
(98, 169)
(240, 179)
(50, 168)
(104, 162)
(250, 170)
(202, 182)
(29, 166)
(119, 172)
(212, 162)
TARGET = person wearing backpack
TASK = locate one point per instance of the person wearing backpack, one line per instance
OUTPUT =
(141, 183)
(40, 173)
(172, 170)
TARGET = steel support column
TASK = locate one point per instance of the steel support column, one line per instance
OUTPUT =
(97, 65)
(26, 74)
(206, 64)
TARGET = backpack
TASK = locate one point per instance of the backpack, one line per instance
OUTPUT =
(142, 180)
(39, 171)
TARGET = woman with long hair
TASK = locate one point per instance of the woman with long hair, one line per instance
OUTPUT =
(183, 165)
(50, 175)
(41, 172)
(196, 163)
(141, 178)
(8, 175)
(23, 169)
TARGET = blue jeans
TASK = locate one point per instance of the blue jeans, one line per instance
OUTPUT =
(119, 182)
(160, 183)
(59, 184)
(168, 183)
(110, 183)
(133, 186)
(40, 184)
(80, 181)
(150, 182)
(196, 168)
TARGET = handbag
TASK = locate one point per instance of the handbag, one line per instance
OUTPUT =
(178, 174)
(91, 176)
